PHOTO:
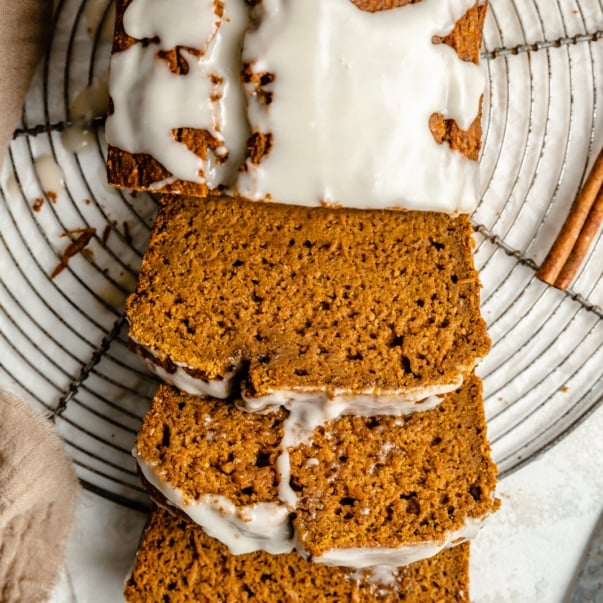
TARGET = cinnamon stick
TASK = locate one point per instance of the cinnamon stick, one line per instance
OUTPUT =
(583, 243)
(570, 231)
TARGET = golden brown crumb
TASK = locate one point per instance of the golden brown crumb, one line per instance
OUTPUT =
(178, 562)
(310, 298)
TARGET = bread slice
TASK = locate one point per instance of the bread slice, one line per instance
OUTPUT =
(365, 312)
(355, 492)
(177, 562)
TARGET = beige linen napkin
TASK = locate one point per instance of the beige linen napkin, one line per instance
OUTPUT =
(24, 27)
(38, 487)
(38, 492)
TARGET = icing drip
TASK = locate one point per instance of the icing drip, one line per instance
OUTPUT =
(304, 417)
(12, 186)
(150, 101)
(350, 104)
(342, 402)
(90, 102)
(49, 174)
(259, 527)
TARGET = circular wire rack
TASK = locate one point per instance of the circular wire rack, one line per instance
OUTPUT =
(63, 338)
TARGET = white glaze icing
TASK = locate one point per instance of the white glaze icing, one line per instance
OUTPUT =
(12, 186)
(49, 174)
(257, 527)
(377, 576)
(382, 575)
(77, 137)
(150, 101)
(197, 387)
(352, 95)
(189, 23)
(342, 402)
(339, 136)
(161, 183)
(182, 380)
(90, 102)
(383, 557)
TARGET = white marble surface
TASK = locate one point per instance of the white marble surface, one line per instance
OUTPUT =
(528, 552)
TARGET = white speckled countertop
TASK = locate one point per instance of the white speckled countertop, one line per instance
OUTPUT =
(528, 552)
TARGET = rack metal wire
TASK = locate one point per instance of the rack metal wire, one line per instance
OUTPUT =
(63, 340)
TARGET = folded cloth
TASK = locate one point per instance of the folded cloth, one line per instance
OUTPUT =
(24, 28)
(38, 492)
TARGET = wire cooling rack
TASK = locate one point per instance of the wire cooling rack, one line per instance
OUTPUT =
(63, 339)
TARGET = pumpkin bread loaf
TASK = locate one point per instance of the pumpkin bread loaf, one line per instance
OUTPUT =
(178, 563)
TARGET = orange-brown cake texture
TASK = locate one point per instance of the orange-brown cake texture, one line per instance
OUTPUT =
(362, 491)
(176, 563)
(142, 171)
(355, 303)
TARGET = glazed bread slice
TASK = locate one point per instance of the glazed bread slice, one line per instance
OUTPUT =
(143, 171)
(364, 312)
(177, 562)
(355, 492)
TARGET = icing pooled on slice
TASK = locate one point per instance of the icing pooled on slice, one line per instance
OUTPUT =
(150, 101)
(390, 557)
(190, 23)
(331, 405)
(243, 529)
(346, 105)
